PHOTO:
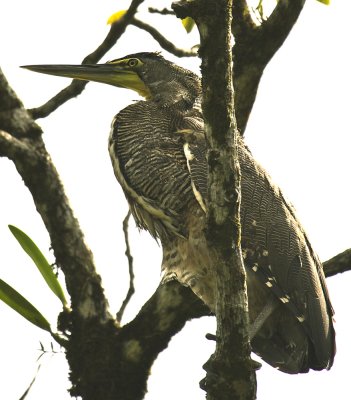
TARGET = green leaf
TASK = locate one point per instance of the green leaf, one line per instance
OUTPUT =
(40, 261)
(18, 303)
(326, 2)
(188, 24)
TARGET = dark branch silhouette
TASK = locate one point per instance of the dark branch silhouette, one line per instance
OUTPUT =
(40, 176)
(338, 264)
(164, 11)
(76, 87)
(162, 41)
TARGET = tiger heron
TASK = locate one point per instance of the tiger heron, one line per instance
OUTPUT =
(158, 152)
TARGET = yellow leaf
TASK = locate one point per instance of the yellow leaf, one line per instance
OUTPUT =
(326, 2)
(116, 16)
(188, 24)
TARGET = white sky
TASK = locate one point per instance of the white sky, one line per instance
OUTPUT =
(299, 130)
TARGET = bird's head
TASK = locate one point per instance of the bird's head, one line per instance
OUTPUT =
(149, 74)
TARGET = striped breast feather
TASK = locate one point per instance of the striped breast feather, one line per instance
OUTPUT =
(149, 163)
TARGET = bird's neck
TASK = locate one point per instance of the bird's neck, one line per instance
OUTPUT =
(178, 94)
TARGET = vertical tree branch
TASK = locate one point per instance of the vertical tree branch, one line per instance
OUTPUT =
(229, 371)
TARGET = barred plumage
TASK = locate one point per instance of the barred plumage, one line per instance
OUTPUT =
(158, 152)
(289, 305)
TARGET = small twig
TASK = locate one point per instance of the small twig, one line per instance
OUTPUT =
(24, 395)
(76, 87)
(165, 11)
(338, 264)
(72, 90)
(211, 336)
(162, 41)
(131, 289)
(44, 352)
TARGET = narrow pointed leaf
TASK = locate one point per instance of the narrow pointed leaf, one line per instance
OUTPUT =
(326, 2)
(40, 261)
(188, 24)
(115, 17)
(18, 303)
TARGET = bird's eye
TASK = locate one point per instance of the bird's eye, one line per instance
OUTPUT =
(133, 62)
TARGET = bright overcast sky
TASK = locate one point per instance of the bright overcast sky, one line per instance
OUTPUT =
(299, 130)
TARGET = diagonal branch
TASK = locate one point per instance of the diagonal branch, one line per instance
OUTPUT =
(40, 176)
(338, 264)
(274, 31)
(162, 41)
(76, 87)
(254, 47)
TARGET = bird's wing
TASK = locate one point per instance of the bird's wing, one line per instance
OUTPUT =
(275, 245)
(278, 250)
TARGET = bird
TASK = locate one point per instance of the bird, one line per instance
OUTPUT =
(158, 151)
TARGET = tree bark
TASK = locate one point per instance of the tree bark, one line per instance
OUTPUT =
(230, 372)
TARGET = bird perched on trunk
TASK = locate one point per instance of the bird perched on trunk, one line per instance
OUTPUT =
(158, 152)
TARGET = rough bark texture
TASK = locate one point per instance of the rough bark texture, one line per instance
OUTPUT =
(229, 371)
(115, 363)
(40, 176)
(106, 361)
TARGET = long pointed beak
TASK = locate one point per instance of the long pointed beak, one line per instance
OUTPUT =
(104, 73)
